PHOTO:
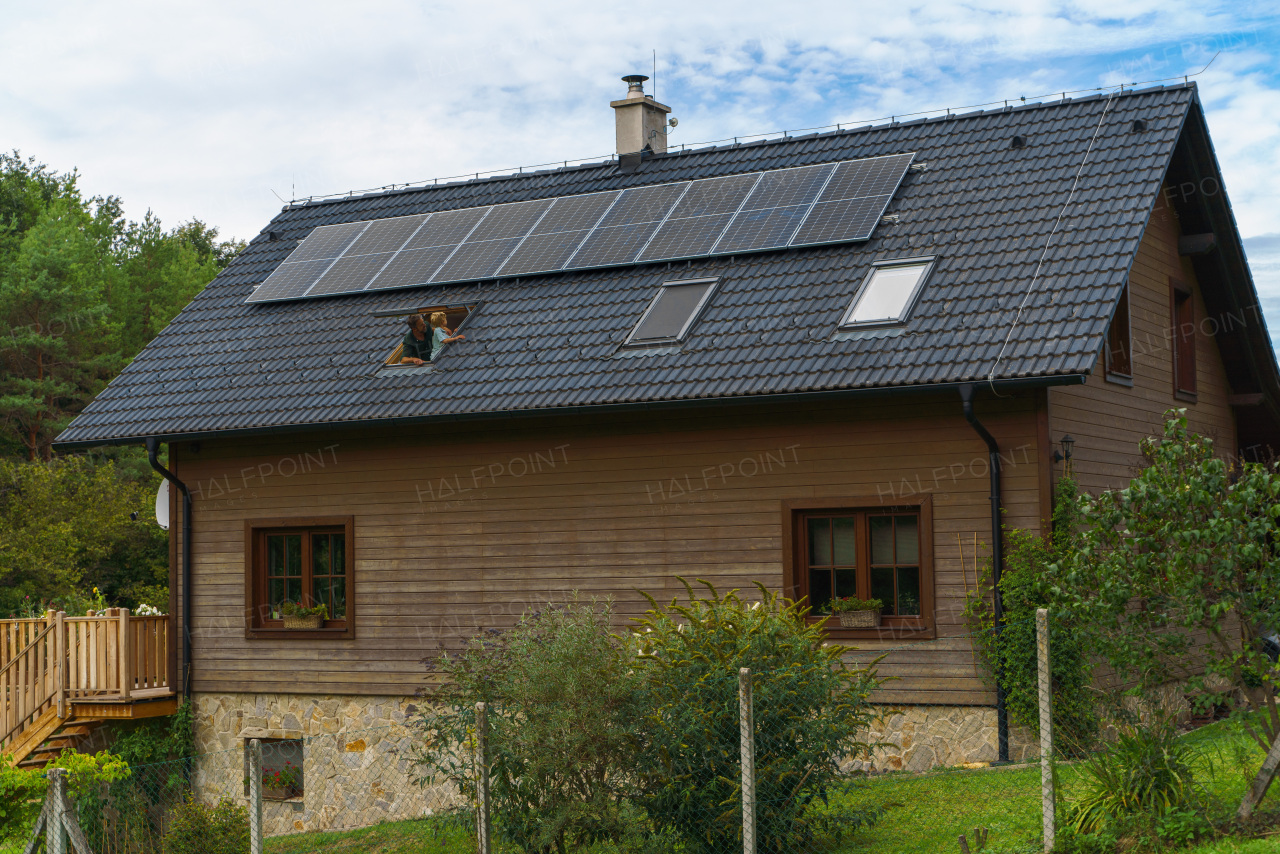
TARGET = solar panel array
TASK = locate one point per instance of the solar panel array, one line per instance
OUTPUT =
(801, 206)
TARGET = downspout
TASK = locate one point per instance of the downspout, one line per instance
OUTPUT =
(153, 446)
(997, 560)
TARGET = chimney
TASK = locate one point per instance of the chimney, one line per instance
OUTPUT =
(641, 121)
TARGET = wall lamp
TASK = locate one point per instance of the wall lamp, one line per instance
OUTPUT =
(1067, 444)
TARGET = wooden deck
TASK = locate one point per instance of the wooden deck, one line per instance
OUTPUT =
(61, 677)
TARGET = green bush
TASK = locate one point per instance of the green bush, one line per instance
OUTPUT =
(563, 701)
(195, 828)
(809, 710)
(1140, 787)
(21, 795)
(1033, 568)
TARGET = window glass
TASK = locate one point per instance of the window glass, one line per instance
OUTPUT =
(885, 294)
(820, 542)
(669, 316)
(907, 539)
(846, 541)
(882, 539)
(1119, 360)
(283, 770)
(304, 566)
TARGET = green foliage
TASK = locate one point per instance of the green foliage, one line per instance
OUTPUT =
(295, 609)
(21, 795)
(563, 701)
(1189, 551)
(81, 292)
(853, 603)
(160, 740)
(65, 526)
(1141, 787)
(1029, 582)
(195, 828)
(809, 710)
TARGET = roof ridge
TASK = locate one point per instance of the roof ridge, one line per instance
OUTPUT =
(585, 164)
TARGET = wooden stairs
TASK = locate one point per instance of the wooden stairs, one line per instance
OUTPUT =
(62, 677)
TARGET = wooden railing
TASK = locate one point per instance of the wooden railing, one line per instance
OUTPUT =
(108, 657)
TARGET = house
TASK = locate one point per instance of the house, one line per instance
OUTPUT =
(828, 363)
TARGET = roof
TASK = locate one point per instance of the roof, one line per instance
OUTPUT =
(1024, 287)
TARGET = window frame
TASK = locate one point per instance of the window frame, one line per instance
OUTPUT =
(928, 262)
(1182, 297)
(1113, 372)
(794, 579)
(257, 627)
(631, 341)
(266, 743)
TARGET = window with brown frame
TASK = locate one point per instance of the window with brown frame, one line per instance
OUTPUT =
(880, 553)
(305, 561)
(1184, 340)
(1119, 342)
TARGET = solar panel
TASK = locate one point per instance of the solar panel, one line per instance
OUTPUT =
(290, 280)
(411, 267)
(327, 241)
(350, 273)
(386, 235)
(801, 206)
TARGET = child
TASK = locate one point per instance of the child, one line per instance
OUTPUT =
(441, 334)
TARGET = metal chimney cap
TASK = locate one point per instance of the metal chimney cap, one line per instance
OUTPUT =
(635, 78)
(635, 83)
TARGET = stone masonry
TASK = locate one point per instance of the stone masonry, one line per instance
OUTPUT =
(357, 765)
(925, 737)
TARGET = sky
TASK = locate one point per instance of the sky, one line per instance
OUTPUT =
(223, 111)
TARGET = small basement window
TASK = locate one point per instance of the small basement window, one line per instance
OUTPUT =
(668, 318)
(282, 768)
(889, 292)
(455, 317)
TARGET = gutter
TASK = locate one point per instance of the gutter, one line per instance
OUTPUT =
(997, 560)
(153, 446)
(770, 400)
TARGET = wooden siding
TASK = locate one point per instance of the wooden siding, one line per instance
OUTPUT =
(466, 527)
(1107, 419)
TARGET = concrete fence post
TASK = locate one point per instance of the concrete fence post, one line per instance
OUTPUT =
(55, 831)
(255, 796)
(747, 731)
(482, 779)
(1048, 801)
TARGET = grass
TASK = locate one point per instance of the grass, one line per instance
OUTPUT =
(422, 836)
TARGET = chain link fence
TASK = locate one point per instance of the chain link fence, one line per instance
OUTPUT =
(753, 762)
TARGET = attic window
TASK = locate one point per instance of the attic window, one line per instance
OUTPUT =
(672, 312)
(454, 317)
(888, 293)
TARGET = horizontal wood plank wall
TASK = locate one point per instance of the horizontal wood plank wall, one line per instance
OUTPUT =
(1108, 420)
(466, 527)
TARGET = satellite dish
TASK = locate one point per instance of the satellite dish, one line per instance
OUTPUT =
(162, 505)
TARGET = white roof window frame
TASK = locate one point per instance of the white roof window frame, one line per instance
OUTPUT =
(634, 343)
(927, 262)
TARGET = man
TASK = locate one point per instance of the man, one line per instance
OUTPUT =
(417, 344)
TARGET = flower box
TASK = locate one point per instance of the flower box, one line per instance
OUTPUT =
(313, 621)
(860, 619)
(279, 793)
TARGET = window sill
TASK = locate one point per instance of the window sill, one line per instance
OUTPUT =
(334, 633)
(1120, 379)
(1187, 396)
(835, 631)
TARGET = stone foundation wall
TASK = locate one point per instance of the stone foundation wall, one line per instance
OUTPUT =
(357, 764)
(925, 737)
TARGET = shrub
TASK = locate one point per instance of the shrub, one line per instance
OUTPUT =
(563, 701)
(1032, 571)
(1142, 786)
(195, 828)
(21, 794)
(809, 710)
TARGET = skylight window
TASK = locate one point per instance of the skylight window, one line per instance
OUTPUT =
(888, 292)
(448, 318)
(672, 312)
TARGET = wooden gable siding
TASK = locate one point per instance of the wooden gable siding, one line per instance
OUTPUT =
(1108, 420)
(454, 533)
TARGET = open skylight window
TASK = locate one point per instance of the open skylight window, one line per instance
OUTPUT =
(672, 312)
(889, 292)
(454, 317)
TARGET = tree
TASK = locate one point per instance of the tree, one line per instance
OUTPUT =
(1178, 575)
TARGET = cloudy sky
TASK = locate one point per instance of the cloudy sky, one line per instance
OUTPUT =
(219, 111)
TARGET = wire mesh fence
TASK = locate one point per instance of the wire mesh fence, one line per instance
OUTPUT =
(773, 759)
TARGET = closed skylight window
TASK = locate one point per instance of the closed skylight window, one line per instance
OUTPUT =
(888, 293)
(672, 312)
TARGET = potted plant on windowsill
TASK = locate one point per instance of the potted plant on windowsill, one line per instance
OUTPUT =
(855, 613)
(281, 784)
(297, 617)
